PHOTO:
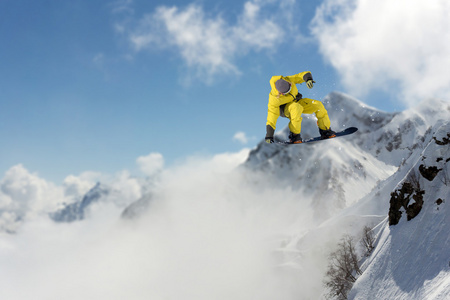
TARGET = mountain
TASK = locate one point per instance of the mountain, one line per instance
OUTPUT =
(338, 172)
(410, 260)
(361, 180)
(342, 171)
(77, 210)
(137, 208)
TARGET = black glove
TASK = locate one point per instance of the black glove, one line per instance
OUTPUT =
(269, 134)
(298, 97)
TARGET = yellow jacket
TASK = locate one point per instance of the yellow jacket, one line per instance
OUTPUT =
(276, 100)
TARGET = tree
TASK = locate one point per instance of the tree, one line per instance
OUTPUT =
(368, 240)
(343, 269)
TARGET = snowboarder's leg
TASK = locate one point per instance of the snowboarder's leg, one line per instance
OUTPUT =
(311, 106)
(293, 111)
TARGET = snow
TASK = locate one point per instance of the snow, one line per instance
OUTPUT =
(256, 225)
(411, 260)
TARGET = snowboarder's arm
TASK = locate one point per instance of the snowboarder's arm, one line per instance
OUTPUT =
(272, 116)
(300, 77)
(269, 134)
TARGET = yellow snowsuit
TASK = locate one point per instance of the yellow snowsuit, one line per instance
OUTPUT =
(285, 105)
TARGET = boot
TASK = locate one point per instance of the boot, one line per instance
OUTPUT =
(326, 134)
(295, 138)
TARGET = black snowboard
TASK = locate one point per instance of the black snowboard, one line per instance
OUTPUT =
(344, 132)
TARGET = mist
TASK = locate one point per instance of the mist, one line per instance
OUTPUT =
(209, 233)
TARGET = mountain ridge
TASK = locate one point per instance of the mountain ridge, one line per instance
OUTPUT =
(414, 244)
(387, 147)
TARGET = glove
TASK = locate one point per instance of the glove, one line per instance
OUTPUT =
(269, 134)
(298, 97)
(269, 140)
(310, 84)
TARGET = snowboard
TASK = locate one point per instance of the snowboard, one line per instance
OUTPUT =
(344, 132)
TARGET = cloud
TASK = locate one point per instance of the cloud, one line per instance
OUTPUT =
(208, 43)
(220, 163)
(24, 195)
(21, 190)
(229, 161)
(398, 46)
(122, 6)
(77, 186)
(240, 137)
(208, 234)
(151, 164)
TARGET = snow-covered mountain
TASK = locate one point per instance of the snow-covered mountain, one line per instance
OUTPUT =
(77, 210)
(339, 172)
(353, 182)
(411, 259)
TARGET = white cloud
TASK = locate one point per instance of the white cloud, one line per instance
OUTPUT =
(240, 137)
(77, 186)
(226, 162)
(206, 42)
(151, 164)
(24, 190)
(399, 46)
(24, 195)
(122, 6)
(210, 233)
(257, 29)
(220, 163)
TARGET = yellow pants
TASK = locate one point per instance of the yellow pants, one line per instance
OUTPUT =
(294, 110)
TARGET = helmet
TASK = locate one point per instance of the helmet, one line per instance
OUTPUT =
(283, 86)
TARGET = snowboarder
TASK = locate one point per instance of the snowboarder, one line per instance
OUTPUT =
(286, 101)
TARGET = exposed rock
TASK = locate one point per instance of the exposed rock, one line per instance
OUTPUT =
(429, 173)
(76, 211)
(401, 199)
(445, 140)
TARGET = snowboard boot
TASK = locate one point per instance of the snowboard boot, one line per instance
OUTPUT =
(326, 134)
(295, 138)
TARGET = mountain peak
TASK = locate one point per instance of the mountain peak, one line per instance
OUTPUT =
(76, 211)
(341, 171)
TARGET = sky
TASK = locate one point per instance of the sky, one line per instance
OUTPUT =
(105, 86)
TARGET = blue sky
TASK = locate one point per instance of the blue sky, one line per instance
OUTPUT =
(93, 85)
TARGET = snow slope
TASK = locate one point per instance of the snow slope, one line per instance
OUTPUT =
(352, 187)
(412, 259)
